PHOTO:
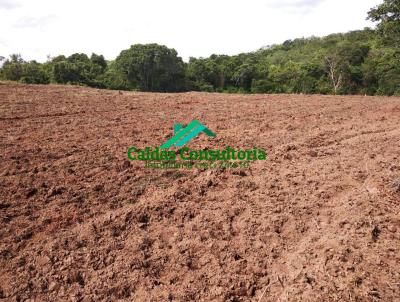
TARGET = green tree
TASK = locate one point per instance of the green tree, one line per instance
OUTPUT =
(34, 73)
(79, 69)
(244, 75)
(151, 67)
(343, 65)
(199, 73)
(381, 72)
(12, 68)
(65, 72)
(388, 16)
(99, 61)
(114, 79)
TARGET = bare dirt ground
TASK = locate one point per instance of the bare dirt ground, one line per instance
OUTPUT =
(318, 221)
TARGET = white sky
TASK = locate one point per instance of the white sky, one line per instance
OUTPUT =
(37, 28)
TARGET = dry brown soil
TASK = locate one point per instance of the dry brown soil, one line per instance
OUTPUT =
(317, 221)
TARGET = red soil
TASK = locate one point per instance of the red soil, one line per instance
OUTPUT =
(317, 221)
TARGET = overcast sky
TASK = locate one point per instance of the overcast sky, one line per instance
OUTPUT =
(37, 28)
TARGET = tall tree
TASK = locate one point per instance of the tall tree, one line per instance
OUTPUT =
(12, 68)
(335, 73)
(388, 16)
(151, 67)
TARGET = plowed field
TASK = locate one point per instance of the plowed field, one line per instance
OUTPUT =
(319, 220)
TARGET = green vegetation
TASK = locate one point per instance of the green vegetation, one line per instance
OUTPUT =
(359, 62)
(151, 68)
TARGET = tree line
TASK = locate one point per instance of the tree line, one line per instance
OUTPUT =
(358, 62)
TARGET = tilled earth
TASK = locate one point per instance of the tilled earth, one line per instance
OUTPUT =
(317, 221)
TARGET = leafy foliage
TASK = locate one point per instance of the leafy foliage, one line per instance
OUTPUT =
(388, 16)
(34, 73)
(78, 69)
(151, 67)
(12, 68)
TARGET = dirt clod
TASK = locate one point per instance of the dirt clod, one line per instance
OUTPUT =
(396, 185)
(31, 192)
(375, 233)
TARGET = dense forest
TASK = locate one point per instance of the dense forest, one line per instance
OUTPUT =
(358, 62)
